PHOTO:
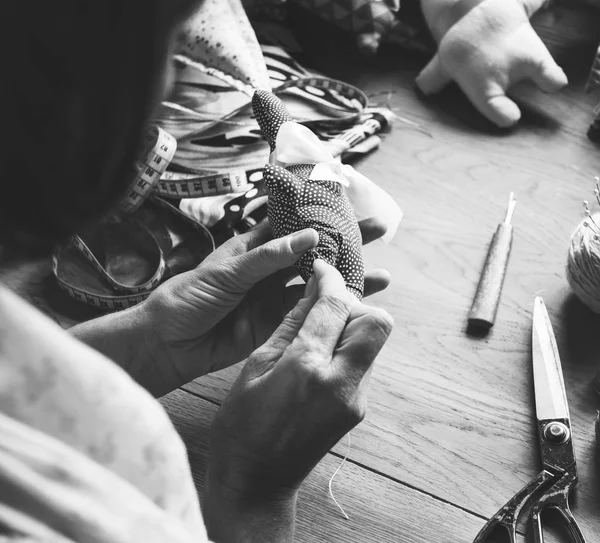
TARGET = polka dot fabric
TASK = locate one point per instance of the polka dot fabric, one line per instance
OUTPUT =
(297, 202)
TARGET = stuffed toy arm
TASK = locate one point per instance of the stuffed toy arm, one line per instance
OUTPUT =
(486, 46)
(309, 188)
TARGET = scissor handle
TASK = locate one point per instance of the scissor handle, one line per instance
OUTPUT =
(557, 498)
(506, 518)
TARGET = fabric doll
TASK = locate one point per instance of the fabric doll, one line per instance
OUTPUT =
(303, 196)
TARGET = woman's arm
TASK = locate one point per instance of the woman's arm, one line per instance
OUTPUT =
(214, 316)
(202, 320)
(126, 337)
(231, 517)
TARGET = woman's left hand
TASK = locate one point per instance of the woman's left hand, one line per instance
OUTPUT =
(214, 316)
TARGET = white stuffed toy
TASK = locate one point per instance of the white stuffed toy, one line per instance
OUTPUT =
(486, 46)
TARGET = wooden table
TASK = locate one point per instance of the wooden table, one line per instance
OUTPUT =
(450, 433)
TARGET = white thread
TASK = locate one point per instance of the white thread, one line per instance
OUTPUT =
(333, 477)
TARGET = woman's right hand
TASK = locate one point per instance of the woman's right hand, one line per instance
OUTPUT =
(297, 395)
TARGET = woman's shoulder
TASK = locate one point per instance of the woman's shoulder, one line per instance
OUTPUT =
(53, 383)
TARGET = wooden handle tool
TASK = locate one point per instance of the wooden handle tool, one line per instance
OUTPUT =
(488, 293)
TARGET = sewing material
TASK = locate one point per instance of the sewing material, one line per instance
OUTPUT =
(369, 19)
(219, 37)
(333, 477)
(298, 199)
(216, 130)
(489, 290)
(583, 260)
(121, 260)
(375, 122)
(227, 210)
(157, 152)
(372, 21)
(197, 185)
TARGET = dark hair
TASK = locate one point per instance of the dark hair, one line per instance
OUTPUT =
(78, 90)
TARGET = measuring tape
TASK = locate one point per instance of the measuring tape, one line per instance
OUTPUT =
(93, 284)
(128, 295)
(158, 152)
(198, 185)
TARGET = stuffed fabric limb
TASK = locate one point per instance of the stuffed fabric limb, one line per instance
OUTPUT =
(298, 201)
(486, 46)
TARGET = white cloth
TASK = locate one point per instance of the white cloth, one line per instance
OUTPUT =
(86, 455)
(297, 144)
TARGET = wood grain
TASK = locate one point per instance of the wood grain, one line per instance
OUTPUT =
(379, 509)
(449, 414)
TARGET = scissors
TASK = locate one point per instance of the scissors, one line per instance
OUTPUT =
(551, 488)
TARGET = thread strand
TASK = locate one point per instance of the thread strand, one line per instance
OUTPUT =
(333, 477)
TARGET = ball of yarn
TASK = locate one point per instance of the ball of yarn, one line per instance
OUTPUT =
(583, 262)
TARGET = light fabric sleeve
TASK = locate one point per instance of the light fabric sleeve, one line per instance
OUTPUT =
(76, 430)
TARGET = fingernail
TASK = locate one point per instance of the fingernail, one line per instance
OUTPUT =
(303, 241)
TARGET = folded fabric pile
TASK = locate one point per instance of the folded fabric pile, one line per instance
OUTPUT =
(373, 22)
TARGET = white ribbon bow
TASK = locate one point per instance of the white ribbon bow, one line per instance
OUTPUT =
(297, 144)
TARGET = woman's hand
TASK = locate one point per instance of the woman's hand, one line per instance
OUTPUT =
(216, 315)
(297, 395)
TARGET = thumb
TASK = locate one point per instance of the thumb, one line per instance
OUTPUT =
(259, 263)
(433, 78)
(548, 75)
(364, 336)
(271, 350)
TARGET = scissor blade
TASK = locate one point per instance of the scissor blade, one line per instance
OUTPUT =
(550, 395)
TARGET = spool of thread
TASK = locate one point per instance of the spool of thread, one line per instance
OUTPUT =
(583, 262)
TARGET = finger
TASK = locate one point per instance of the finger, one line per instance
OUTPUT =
(241, 244)
(376, 281)
(310, 290)
(273, 256)
(433, 78)
(492, 102)
(327, 318)
(362, 340)
(285, 333)
(548, 75)
(372, 229)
